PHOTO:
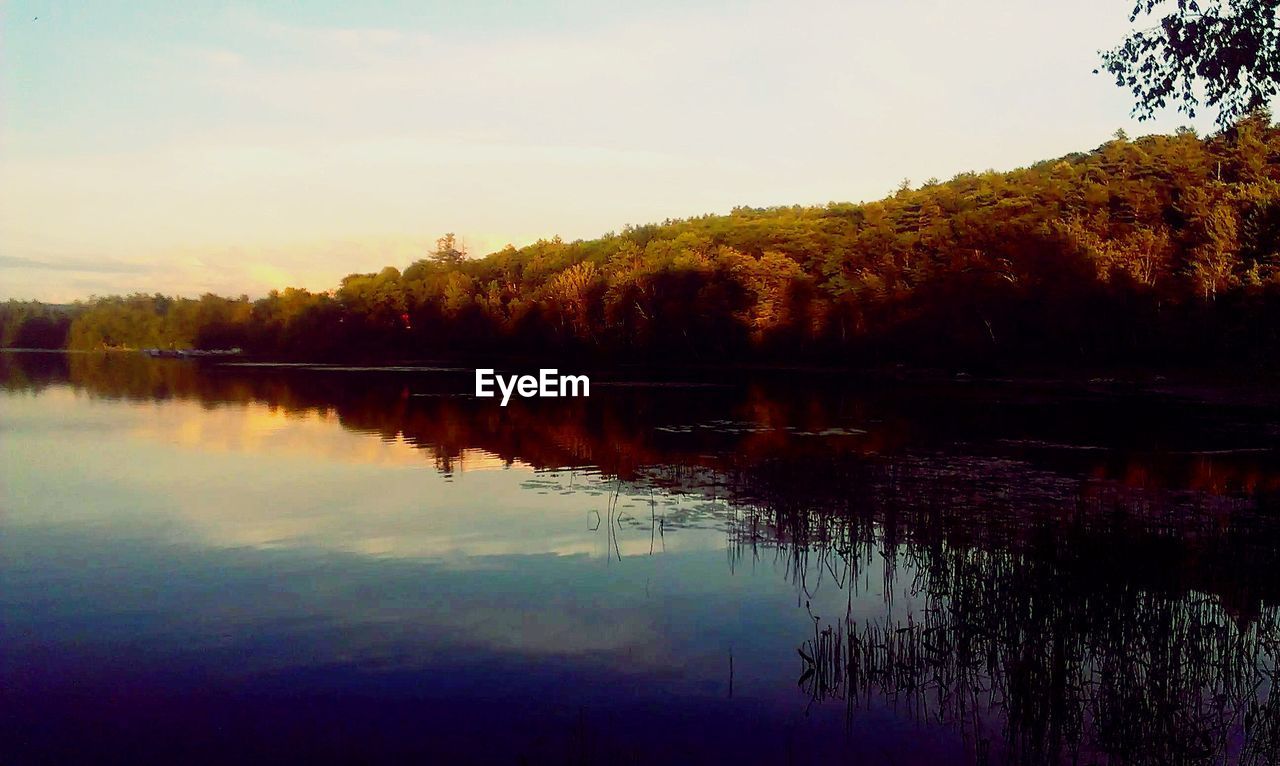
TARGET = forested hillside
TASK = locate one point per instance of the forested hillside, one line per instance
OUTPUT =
(1161, 249)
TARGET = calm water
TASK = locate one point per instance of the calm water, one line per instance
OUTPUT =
(238, 564)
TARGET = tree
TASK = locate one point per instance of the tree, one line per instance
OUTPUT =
(448, 252)
(1160, 248)
(1226, 52)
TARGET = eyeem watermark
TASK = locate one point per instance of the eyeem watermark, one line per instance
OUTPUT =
(548, 383)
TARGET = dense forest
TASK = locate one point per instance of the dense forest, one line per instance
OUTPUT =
(1164, 249)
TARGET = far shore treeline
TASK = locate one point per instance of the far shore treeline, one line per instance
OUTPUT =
(1164, 249)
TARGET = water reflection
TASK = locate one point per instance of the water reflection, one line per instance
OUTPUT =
(1031, 572)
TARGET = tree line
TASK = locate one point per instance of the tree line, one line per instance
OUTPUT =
(1164, 248)
(31, 324)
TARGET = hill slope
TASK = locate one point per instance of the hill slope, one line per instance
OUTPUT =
(1166, 248)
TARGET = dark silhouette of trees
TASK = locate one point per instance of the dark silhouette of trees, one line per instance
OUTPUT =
(1226, 52)
(28, 324)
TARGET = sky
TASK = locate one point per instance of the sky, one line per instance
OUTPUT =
(243, 147)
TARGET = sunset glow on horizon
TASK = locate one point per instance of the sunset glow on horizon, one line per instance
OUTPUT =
(240, 148)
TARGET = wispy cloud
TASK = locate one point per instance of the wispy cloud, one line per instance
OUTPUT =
(85, 266)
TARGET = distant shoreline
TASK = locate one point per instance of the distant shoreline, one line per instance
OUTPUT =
(1155, 253)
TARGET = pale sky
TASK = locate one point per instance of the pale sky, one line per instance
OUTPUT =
(239, 147)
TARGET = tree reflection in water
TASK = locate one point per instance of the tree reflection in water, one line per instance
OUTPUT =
(1075, 574)
(1047, 627)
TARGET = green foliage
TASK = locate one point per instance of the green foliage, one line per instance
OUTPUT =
(157, 321)
(1150, 249)
(448, 253)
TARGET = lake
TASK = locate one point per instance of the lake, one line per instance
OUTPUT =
(208, 562)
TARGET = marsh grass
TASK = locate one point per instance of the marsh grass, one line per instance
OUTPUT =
(1047, 624)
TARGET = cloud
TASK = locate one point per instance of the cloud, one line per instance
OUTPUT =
(82, 266)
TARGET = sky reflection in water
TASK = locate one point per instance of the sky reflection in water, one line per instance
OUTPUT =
(217, 563)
